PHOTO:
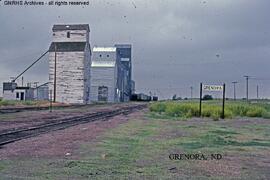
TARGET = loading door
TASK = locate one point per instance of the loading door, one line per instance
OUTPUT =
(103, 93)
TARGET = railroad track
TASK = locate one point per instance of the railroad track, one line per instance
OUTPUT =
(36, 108)
(23, 133)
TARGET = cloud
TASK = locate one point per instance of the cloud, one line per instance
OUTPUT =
(175, 42)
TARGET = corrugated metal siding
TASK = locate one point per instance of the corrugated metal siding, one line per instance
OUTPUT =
(101, 76)
(41, 93)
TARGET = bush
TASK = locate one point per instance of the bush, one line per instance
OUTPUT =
(207, 97)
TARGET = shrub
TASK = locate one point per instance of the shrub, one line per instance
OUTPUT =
(158, 107)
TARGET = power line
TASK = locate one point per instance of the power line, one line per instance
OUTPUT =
(261, 79)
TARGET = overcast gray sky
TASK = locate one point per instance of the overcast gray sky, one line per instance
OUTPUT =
(176, 43)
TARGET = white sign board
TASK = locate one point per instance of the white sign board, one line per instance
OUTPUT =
(212, 88)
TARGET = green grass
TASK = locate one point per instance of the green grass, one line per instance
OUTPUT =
(139, 149)
(210, 109)
(19, 103)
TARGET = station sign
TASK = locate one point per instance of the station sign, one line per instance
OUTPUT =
(212, 88)
(204, 87)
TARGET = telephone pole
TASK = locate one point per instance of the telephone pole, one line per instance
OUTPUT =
(22, 81)
(54, 84)
(234, 90)
(257, 91)
(247, 79)
(191, 92)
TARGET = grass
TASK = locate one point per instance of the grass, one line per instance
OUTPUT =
(14, 103)
(210, 109)
(139, 149)
(20, 103)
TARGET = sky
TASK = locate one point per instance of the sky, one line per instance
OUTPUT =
(177, 44)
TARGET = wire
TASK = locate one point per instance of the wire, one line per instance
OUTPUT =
(31, 65)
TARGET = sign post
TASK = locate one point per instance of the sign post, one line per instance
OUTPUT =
(200, 111)
(50, 100)
(223, 102)
(213, 88)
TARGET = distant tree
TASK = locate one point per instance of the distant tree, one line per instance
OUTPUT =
(174, 97)
(207, 97)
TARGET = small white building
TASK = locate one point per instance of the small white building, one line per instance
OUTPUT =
(13, 92)
(70, 58)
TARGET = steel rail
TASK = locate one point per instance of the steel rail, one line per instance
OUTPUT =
(23, 133)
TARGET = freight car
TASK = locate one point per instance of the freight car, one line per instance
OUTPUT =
(140, 97)
(155, 98)
(144, 97)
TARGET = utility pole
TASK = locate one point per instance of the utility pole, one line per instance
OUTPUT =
(200, 107)
(50, 100)
(54, 89)
(234, 90)
(36, 86)
(22, 81)
(223, 102)
(191, 92)
(247, 79)
(257, 91)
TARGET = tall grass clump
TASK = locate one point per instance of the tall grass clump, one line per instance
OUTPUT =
(158, 107)
(247, 110)
(185, 110)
